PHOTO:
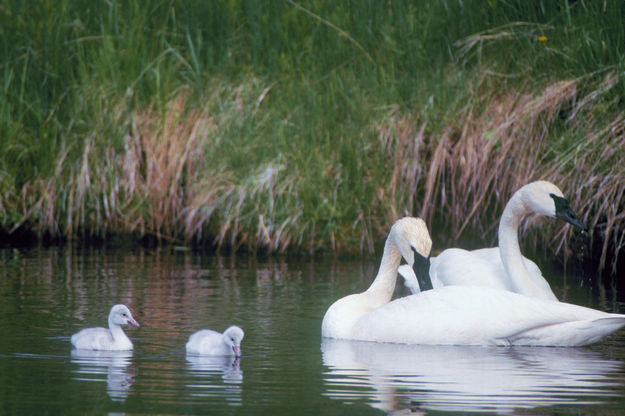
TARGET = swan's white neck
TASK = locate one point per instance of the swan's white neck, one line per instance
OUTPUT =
(224, 342)
(509, 249)
(340, 318)
(383, 285)
(117, 332)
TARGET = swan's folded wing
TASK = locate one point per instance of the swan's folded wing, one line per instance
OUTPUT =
(566, 334)
(204, 341)
(460, 267)
(534, 273)
(469, 315)
(97, 338)
(483, 267)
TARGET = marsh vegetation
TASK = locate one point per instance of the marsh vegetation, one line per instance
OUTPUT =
(287, 126)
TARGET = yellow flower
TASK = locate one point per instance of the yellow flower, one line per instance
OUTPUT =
(542, 38)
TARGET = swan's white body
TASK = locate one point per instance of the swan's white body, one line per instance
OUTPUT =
(112, 339)
(473, 315)
(484, 267)
(209, 342)
(457, 315)
(501, 267)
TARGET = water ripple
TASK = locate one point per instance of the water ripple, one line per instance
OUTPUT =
(455, 378)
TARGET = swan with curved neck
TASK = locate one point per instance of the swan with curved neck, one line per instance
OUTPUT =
(456, 315)
(408, 238)
(503, 267)
(112, 339)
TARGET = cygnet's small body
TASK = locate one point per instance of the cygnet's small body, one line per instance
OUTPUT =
(112, 339)
(209, 342)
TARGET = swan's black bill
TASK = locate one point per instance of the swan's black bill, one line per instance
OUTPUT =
(421, 268)
(564, 211)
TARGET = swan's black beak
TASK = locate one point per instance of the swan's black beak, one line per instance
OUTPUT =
(421, 268)
(564, 212)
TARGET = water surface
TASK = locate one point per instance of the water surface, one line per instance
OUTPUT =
(48, 294)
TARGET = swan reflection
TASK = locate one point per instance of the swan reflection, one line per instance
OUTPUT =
(459, 378)
(92, 365)
(206, 368)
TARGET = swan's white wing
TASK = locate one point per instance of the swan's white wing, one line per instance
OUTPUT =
(456, 266)
(492, 256)
(482, 267)
(93, 339)
(468, 315)
(205, 341)
(574, 333)
(459, 267)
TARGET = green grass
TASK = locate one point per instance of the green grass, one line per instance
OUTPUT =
(305, 126)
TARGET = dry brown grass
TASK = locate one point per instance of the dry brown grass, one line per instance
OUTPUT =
(162, 164)
(160, 183)
(477, 163)
(151, 187)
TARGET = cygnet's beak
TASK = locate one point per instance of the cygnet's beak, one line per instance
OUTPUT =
(237, 350)
(132, 322)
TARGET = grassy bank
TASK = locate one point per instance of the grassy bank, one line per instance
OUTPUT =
(280, 126)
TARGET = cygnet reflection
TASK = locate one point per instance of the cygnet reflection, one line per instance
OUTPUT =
(93, 365)
(217, 376)
(394, 377)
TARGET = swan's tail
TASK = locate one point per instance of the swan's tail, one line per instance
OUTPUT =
(410, 279)
(567, 334)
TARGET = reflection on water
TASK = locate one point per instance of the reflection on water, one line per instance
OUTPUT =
(48, 294)
(94, 365)
(205, 369)
(457, 378)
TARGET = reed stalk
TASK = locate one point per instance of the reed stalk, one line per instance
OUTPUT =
(283, 126)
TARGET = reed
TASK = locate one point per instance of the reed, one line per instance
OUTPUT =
(510, 139)
(276, 126)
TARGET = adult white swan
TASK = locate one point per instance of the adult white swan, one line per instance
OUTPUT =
(456, 315)
(503, 267)
(112, 339)
(408, 238)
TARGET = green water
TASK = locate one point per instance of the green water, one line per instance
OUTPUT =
(48, 294)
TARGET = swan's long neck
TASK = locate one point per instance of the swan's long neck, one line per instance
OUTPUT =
(509, 249)
(383, 286)
(117, 332)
